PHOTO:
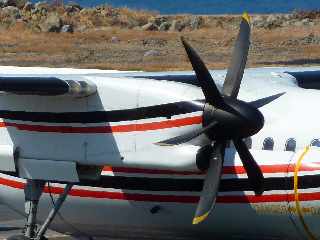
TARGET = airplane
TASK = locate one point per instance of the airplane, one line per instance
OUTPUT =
(223, 154)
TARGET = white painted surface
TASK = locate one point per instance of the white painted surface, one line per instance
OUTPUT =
(48, 170)
(292, 115)
(7, 163)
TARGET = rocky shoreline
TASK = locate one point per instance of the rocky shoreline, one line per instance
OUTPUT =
(53, 17)
(56, 35)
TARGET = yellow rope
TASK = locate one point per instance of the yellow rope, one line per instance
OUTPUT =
(296, 194)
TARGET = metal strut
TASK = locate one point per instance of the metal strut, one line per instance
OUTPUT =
(32, 191)
(54, 211)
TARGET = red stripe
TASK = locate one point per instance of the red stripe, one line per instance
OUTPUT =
(108, 195)
(107, 129)
(264, 168)
(169, 198)
(253, 199)
(148, 171)
(277, 168)
(11, 183)
(127, 196)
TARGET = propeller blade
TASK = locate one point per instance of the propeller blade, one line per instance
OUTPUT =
(211, 184)
(186, 137)
(253, 170)
(264, 101)
(234, 76)
(204, 77)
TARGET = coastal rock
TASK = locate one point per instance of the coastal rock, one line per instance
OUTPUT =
(67, 29)
(40, 9)
(28, 7)
(257, 20)
(20, 3)
(272, 18)
(12, 12)
(287, 16)
(74, 5)
(196, 22)
(51, 24)
(41, 5)
(313, 14)
(131, 23)
(4, 3)
(219, 24)
(286, 23)
(165, 26)
(87, 11)
(149, 27)
(14, 3)
(272, 21)
(177, 26)
(72, 8)
(306, 21)
(158, 20)
(303, 22)
(152, 53)
(137, 28)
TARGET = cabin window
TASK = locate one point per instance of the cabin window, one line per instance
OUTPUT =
(315, 143)
(248, 142)
(291, 145)
(268, 144)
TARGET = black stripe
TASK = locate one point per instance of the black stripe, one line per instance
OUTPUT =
(147, 184)
(195, 185)
(164, 110)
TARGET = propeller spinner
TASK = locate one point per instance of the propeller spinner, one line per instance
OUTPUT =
(225, 118)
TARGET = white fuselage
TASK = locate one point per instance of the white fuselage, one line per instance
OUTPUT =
(155, 189)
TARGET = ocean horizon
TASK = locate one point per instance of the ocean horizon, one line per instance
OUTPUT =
(210, 6)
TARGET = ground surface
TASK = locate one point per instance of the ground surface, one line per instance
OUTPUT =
(11, 222)
(293, 45)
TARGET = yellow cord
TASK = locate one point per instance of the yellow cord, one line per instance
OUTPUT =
(296, 194)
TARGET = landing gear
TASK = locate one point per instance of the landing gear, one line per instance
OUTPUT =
(54, 211)
(33, 191)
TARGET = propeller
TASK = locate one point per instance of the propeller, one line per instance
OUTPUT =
(225, 118)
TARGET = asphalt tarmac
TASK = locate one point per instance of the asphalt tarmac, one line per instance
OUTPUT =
(11, 224)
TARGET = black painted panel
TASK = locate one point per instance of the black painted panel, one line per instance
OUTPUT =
(34, 86)
(307, 79)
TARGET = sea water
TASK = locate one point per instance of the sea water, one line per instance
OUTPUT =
(210, 6)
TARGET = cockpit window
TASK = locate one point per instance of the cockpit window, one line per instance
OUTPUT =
(268, 144)
(291, 145)
(315, 143)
